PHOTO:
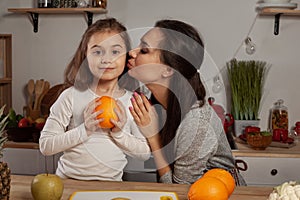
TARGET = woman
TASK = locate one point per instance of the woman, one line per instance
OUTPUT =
(192, 139)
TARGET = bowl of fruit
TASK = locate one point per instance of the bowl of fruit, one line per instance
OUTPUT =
(259, 140)
(23, 129)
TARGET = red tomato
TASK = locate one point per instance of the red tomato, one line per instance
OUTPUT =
(252, 129)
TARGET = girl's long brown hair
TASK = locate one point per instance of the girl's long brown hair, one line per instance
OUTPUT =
(78, 73)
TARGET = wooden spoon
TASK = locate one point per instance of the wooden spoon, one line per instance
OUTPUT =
(45, 90)
(30, 90)
(39, 87)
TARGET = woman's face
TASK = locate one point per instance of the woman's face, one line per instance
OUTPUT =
(145, 64)
(106, 55)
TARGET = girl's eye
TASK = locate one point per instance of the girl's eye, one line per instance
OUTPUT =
(98, 52)
(116, 52)
(144, 50)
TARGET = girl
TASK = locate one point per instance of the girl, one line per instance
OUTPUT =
(192, 139)
(89, 152)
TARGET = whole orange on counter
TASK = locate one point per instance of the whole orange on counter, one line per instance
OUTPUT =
(208, 188)
(216, 184)
(108, 104)
(223, 176)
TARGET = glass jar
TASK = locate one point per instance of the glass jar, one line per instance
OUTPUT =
(279, 116)
(296, 132)
(44, 3)
(99, 3)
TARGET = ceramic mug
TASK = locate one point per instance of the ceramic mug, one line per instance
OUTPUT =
(280, 135)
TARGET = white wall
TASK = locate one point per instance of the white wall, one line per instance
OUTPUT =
(223, 25)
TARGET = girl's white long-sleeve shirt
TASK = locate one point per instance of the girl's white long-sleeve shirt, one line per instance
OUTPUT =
(100, 156)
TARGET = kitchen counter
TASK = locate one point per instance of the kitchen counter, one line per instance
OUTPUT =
(20, 188)
(244, 149)
(22, 145)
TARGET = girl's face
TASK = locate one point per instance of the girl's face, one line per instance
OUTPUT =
(106, 55)
(145, 64)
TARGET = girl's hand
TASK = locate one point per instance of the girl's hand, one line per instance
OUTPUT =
(145, 115)
(91, 122)
(120, 112)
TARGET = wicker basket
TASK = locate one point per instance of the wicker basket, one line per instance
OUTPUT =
(258, 141)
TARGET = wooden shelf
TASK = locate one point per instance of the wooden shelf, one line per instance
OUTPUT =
(277, 12)
(5, 80)
(57, 10)
(6, 71)
(34, 13)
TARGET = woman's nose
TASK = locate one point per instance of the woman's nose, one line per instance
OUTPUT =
(133, 53)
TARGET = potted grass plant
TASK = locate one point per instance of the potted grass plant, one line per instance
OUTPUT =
(246, 81)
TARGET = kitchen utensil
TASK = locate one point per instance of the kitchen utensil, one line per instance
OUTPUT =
(49, 98)
(39, 87)
(30, 90)
(44, 92)
(227, 119)
(280, 135)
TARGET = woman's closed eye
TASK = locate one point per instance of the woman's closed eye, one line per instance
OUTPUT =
(144, 50)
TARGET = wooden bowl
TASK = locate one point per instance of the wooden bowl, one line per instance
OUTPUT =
(258, 141)
(26, 134)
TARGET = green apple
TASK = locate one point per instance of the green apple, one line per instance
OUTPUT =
(47, 186)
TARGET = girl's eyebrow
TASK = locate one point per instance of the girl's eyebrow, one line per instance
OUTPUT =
(99, 46)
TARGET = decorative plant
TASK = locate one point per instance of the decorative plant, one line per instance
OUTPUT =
(4, 170)
(246, 80)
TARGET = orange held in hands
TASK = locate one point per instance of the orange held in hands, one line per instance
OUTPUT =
(107, 105)
(216, 184)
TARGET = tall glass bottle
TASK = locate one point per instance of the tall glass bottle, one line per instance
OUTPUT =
(279, 116)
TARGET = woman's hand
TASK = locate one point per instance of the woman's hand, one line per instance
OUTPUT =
(120, 112)
(144, 115)
(91, 122)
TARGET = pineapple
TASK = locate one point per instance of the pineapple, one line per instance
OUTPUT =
(4, 170)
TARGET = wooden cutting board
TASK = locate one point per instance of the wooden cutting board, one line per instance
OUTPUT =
(273, 144)
(50, 97)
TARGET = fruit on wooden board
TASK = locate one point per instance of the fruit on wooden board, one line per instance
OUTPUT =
(47, 186)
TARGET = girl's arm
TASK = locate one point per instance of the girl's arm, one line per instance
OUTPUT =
(54, 137)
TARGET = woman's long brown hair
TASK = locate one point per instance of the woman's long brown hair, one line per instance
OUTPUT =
(185, 56)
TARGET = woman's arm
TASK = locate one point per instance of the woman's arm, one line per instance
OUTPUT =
(146, 118)
(129, 138)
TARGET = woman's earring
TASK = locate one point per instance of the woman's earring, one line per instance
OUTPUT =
(168, 72)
